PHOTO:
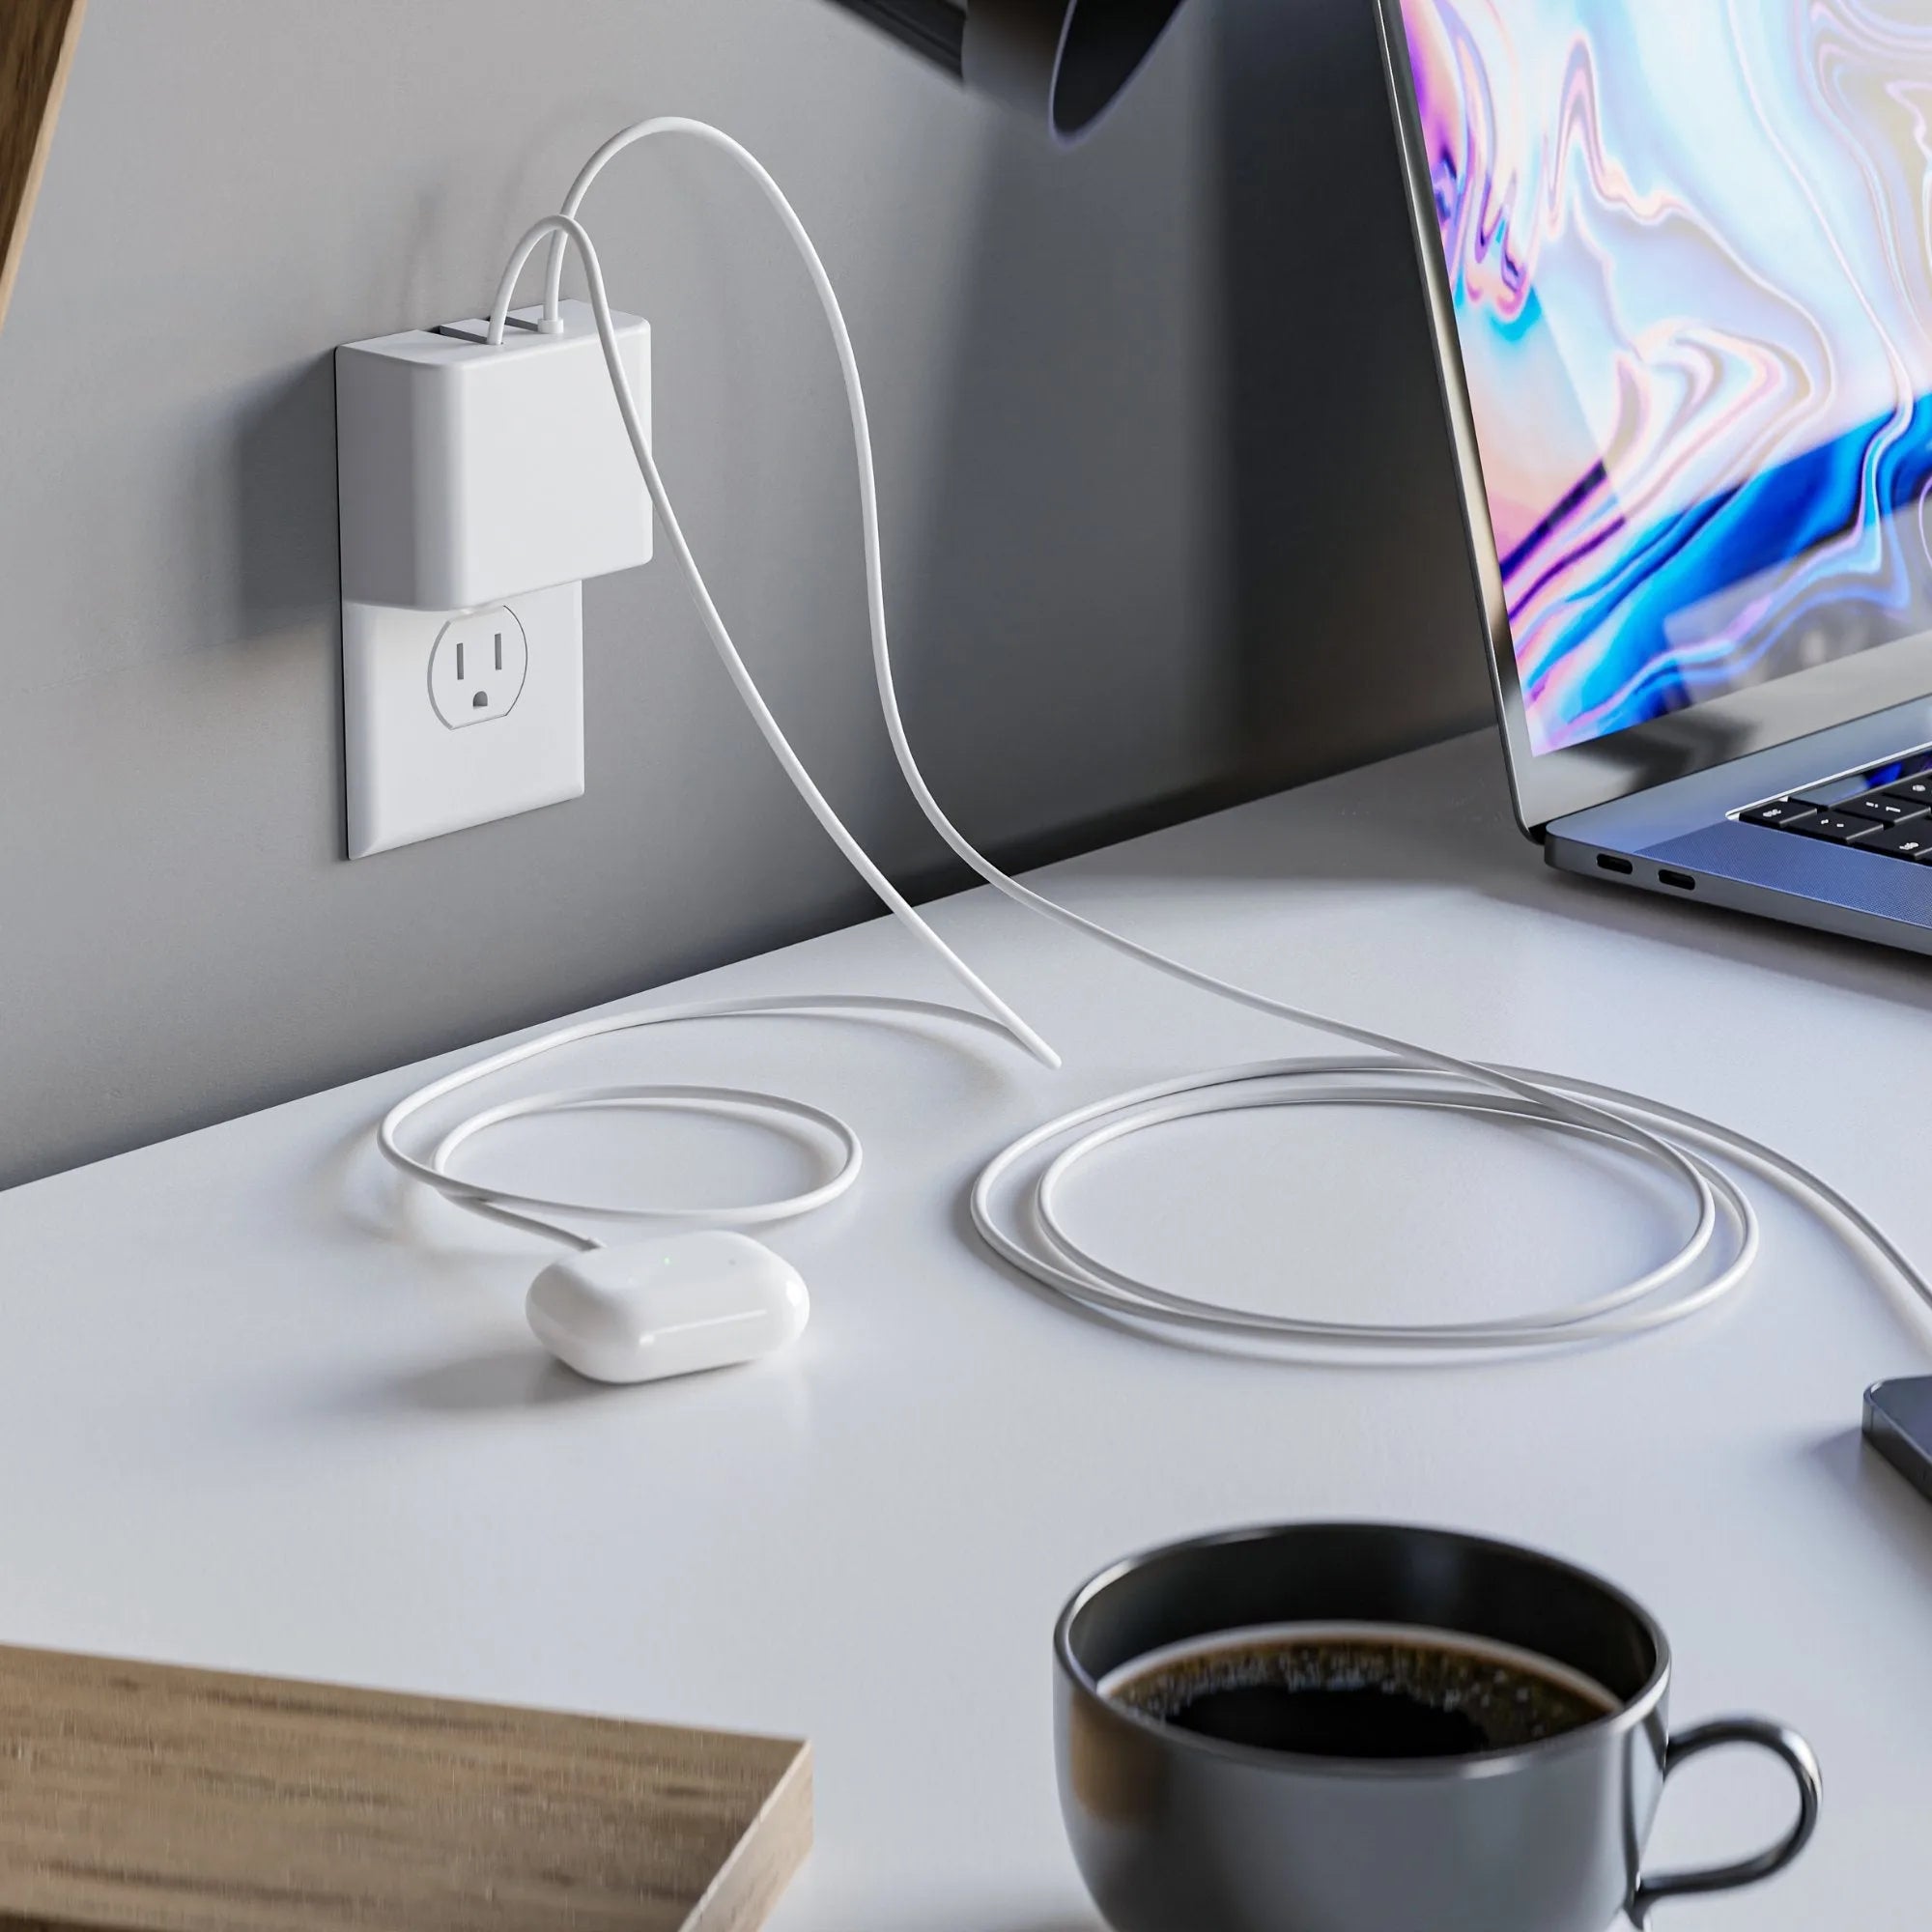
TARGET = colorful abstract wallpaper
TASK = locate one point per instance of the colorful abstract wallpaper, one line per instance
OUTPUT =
(1690, 244)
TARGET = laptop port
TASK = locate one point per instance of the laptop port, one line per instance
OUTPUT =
(1682, 881)
(1610, 863)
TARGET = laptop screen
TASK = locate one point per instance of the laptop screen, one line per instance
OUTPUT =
(1688, 245)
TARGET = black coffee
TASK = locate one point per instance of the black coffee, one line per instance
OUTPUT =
(1358, 1693)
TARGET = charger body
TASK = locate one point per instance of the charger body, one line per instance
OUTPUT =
(469, 475)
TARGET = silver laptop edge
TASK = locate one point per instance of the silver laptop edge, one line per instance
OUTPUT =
(1653, 806)
(1683, 839)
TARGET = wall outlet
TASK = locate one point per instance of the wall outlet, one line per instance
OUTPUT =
(477, 666)
(453, 718)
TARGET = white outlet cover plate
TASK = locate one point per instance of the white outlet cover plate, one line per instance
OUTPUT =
(410, 776)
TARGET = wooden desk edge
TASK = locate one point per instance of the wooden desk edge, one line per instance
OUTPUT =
(37, 45)
(114, 1721)
(768, 1856)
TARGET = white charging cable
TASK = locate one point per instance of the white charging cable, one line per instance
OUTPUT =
(1016, 1201)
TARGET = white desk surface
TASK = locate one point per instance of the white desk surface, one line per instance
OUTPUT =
(261, 1410)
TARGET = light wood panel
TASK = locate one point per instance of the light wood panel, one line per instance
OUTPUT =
(37, 43)
(135, 1795)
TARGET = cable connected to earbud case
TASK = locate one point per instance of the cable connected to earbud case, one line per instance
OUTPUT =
(1016, 1200)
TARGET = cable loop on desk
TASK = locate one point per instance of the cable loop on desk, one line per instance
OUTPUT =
(1037, 1241)
(716, 1102)
(536, 1213)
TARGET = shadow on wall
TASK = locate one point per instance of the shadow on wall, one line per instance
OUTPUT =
(1073, 555)
(1299, 602)
(282, 471)
(1358, 620)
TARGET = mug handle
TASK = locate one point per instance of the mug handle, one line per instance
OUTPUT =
(1796, 1755)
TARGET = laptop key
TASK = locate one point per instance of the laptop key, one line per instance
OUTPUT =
(1910, 840)
(1918, 790)
(1779, 811)
(1884, 808)
(1832, 825)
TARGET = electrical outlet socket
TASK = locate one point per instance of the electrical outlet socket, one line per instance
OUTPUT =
(424, 756)
(477, 666)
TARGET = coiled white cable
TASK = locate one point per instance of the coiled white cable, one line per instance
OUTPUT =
(1028, 1230)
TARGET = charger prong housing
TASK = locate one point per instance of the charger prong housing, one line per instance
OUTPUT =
(469, 475)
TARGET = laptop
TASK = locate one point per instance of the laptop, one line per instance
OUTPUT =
(1678, 260)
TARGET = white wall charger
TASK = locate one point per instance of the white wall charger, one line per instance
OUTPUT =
(479, 486)
(469, 475)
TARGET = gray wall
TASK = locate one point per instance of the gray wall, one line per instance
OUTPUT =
(1158, 438)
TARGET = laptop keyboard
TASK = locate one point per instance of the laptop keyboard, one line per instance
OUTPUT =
(1880, 810)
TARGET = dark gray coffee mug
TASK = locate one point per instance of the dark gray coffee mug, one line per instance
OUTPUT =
(1179, 1832)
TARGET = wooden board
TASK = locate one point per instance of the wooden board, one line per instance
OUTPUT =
(37, 42)
(134, 1796)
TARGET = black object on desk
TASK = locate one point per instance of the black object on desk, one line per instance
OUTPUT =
(1898, 1425)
